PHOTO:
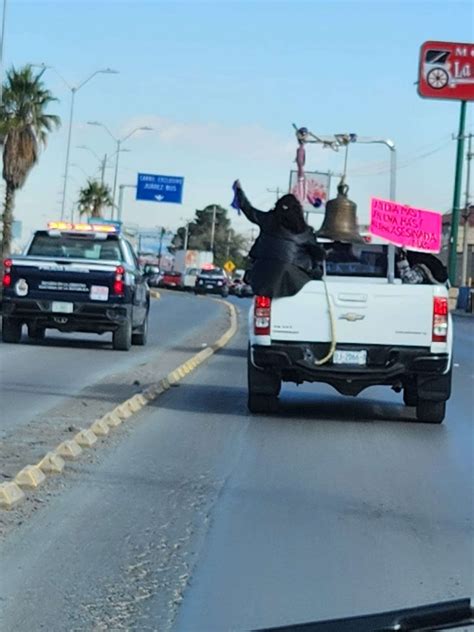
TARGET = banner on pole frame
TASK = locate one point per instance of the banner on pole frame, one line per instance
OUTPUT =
(312, 190)
(406, 226)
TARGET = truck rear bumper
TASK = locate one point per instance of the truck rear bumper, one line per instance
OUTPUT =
(295, 362)
(86, 317)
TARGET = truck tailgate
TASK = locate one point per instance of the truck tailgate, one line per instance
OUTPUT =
(64, 279)
(367, 311)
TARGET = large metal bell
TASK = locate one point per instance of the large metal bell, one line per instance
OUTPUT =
(340, 219)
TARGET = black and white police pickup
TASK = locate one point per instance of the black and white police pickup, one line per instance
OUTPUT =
(382, 332)
(76, 278)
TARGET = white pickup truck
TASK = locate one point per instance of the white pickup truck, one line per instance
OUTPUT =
(389, 333)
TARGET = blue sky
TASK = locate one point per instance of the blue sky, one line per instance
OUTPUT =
(221, 83)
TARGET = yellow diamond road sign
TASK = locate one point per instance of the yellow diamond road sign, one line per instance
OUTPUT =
(229, 266)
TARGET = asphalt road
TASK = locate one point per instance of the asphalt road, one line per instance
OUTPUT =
(34, 377)
(204, 518)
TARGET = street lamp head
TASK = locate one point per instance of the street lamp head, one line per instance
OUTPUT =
(145, 128)
(94, 123)
(109, 71)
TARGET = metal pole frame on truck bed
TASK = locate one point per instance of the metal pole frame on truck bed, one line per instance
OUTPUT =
(335, 141)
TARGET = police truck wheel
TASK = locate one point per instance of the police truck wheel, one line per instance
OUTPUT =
(36, 333)
(122, 337)
(410, 396)
(11, 330)
(430, 412)
(140, 336)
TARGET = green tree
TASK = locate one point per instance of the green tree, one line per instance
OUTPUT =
(24, 128)
(228, 244)
(93, 198)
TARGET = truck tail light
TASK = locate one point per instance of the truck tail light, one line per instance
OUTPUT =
(262, 315)
(119, 283)
(7, 272)
(440, 319)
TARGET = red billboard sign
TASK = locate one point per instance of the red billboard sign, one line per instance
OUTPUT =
(446, 71)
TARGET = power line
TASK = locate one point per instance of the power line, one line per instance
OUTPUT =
(372, 168)
(403, 165)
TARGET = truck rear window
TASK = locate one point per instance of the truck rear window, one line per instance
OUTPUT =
(68, 246)
(362, 260)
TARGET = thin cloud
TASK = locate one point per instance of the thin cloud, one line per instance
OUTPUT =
(251, 141)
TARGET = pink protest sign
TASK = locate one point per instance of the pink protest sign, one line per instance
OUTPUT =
(412, 228)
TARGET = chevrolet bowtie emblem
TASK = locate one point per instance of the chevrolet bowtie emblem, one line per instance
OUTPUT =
(352, 317)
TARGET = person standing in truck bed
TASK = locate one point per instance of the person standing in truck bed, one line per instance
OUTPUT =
(286, 254)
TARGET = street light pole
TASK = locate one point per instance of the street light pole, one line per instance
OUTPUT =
(119, 142)
(74, 90)
(453, 238)
(467, 213)
(68, 151)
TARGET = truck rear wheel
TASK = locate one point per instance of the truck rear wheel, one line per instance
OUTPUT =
(11, 330)
(263, 389)
(410, 396)
(122, 337)
(262, 404)
(430, 412)
(140, 336)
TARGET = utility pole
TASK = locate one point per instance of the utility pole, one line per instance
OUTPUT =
(163, 231)
(213, 227)
(103, 167)
(453, 238)
(227, 254)
(466, 213)
(276, 192)
(120, 200)
(186, 238)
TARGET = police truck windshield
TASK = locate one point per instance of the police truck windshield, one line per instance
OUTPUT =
(80, 246)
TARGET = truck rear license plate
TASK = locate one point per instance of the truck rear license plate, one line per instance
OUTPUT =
(60, 307)
(350, 357)
(99, 293)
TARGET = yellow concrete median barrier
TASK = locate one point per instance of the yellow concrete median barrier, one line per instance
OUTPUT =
(69, 449)
(124, 411)
(30, 476)
(86, 438)
(51, 463)
(135, 404)
(113, 419)
(100, 428)
(10, 495)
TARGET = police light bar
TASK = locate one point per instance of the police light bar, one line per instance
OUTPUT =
(83, 228)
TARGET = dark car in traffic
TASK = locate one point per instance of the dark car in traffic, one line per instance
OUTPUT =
(212, 281)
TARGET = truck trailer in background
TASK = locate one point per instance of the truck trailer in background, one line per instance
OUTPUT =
(185, 259)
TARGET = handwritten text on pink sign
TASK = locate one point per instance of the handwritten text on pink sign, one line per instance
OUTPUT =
(413, 228)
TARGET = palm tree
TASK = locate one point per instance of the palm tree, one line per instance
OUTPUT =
(24, 129)
(93, 198)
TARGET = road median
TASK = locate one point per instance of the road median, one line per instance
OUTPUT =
(95, 435)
